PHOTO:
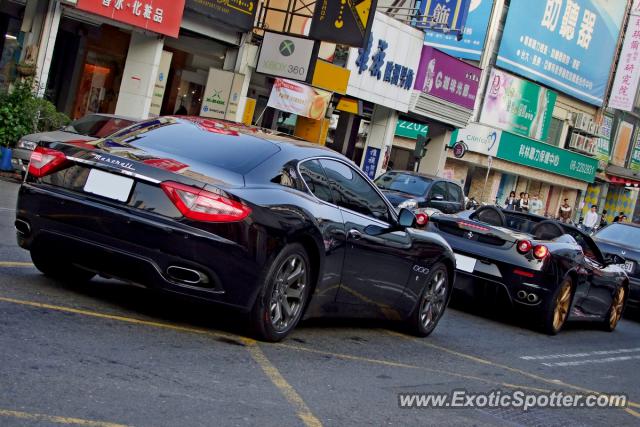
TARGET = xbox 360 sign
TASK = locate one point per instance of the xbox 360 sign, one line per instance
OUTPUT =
(286, 56)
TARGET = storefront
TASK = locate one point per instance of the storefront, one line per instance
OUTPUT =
(11, 40)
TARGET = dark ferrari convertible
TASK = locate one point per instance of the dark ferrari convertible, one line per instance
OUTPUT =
(551, 271)
(236, 215)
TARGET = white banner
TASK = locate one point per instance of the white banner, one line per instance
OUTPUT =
(161, 84)
(216, 94)
(625, 84)
(298, 98)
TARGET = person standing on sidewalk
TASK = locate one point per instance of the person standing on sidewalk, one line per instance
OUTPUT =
(590, 219)
(536, 205)
(565, 211)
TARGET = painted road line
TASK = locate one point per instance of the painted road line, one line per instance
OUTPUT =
(26, 416)
(584, 354)
(592, 361)
(554, 382)
(292, 396)
(302, 410)
(16, 264)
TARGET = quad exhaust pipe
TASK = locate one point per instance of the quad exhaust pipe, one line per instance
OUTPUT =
(22, 227)
(529, 297)
(188, 276)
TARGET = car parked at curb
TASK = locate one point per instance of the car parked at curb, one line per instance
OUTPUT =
(274, 227)
(87, 128)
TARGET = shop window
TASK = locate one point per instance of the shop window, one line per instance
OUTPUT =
(555, 132)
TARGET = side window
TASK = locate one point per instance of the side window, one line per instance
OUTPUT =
(439, 189)
(454, 193)
(352, 191)
(316, 180)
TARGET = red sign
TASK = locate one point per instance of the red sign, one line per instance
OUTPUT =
(159, 16)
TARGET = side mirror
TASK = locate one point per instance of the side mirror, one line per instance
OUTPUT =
(438, 197)
(614, 259)
(406, 218)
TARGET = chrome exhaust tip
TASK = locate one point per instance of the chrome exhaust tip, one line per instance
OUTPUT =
(187, 275)
(522, 295)
(22, 227)
(532, 298)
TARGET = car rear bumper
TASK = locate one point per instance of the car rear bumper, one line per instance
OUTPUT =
(137, 248)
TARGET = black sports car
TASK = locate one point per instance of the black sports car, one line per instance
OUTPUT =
(551, 270)
(236, 215)
(623, 238)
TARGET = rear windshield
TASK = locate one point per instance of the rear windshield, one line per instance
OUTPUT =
(97, 126)
(404, 183)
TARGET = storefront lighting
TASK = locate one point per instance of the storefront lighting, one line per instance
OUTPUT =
(10, 37)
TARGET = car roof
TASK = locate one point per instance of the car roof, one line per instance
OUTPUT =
(424, 175)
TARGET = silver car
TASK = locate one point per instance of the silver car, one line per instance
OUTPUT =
(87, 128)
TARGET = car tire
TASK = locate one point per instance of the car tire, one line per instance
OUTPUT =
(615, 312)
(56, 268)
(281, 302)
(555, 314)
(432, 303)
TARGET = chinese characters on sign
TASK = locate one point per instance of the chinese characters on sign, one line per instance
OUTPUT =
(239, 13)
(447, 78)
(602, 142)
(396, 74)
(625, 84)
(371, 162)
(159, 16)
(555, 41)
(444, 15)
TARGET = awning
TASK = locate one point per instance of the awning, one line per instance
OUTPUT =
(624, 176)
(623, 181)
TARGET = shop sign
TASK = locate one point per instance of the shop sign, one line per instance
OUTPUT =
(565, 44)
(285, 56)
(447, 16)
(622, 142)
(528, 152)
(237, 13)
(517, 105)
(234, 97)
(330, 77)
(447, 78)
(478, 139)
(342, 22)
(459, 149)
(299, 99)
(634, 163)
(625, 85)
(371, 158)
(603, 141)
(249, 110)
(383, 71)
(159, 16)
(473, 33)
(161, 84)
(216, 94)
(411, 130)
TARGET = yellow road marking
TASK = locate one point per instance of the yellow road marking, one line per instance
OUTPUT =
(15, 264)
(508, 368)
(269, 369)
(55, 419)
(294, 399)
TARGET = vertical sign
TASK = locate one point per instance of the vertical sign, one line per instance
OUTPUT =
(161, 84)
(625, 85)
(249, 109)
(603, 141)
(371, 161)
(216, 94)
(234, 97)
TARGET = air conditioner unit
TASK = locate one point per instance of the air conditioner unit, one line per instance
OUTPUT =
(573, 142)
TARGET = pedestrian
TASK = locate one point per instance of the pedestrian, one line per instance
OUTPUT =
(603, 219)
(523, 203)
(536, 205)
(518, 201)
(591, 219)
(618, 217)
(510, 202)
(565, 211)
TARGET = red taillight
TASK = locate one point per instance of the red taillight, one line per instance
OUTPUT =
(540, 251)
(523, 273)
(524, 246)
(472, 226)
(45, 161)
(201, 205)
(422, 219)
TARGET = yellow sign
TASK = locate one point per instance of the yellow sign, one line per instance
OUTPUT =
(249, 109)
(330, 77)
(348, 105)
(312, 130)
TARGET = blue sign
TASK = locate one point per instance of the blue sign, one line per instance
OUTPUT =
(443, 15)
(473, 33)
(565, 44)
(396, 74)
(371, 162)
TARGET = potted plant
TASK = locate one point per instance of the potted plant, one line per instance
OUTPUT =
(26, 69)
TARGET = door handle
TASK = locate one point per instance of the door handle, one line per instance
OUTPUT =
(354, 234)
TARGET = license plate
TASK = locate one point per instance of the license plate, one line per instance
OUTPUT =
(108, 185)
(465, 263)
(628, 266)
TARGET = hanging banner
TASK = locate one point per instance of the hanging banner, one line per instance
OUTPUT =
(249, 110)
(343, 22)
(565, 44)
(216, 94)
(518, 106)
(370, 164)
(625, 85)
(285, 56)
(473, 35)
(237, 13)
(161, 84)
(447, 16)
(159, 16)
(300, 99)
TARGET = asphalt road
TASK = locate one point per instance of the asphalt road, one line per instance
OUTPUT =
(107, 354)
